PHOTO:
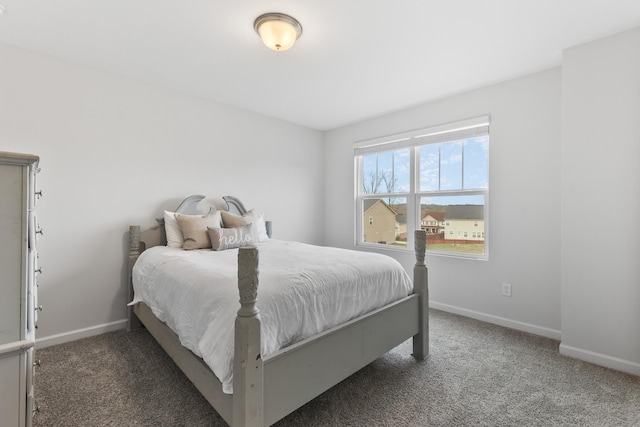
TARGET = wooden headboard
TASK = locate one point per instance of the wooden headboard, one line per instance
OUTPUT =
(198, 204)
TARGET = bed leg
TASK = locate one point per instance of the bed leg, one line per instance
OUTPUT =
(421, 287)
(247, 362)
(134, 252)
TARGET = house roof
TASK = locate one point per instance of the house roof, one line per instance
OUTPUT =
(475, 212)
(369, 203)
(438, 216)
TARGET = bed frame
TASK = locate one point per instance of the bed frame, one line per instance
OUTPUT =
(267, 389)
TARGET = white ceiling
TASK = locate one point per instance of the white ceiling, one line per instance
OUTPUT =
(356, 59)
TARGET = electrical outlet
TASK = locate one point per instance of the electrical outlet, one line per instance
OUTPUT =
(506, 289)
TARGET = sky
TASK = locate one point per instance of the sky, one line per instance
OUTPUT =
(442, 167)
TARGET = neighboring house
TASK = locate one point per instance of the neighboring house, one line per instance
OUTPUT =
(401, 226)
(379, 222)
(433, 223)
(464, 222)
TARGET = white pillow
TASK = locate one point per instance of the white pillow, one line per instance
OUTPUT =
(251, 217)
(175, 239)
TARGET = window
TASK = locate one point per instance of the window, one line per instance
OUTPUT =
(431, 177)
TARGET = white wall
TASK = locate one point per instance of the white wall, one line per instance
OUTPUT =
(116, 152)
(600, 179)
(524, 201)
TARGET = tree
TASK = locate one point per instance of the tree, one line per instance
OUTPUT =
(372, 183)
(378, 181)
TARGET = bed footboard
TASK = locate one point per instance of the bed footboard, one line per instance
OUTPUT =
(250, 370)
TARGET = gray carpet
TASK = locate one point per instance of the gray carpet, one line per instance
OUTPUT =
(478, 374)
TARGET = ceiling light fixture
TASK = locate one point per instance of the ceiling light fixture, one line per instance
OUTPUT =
(277, 30)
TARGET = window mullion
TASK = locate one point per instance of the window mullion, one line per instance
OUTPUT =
(439, 165)
(412, 217)
(359, 191)
(462, 169)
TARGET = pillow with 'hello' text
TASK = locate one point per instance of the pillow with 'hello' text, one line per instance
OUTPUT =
(251, 217)
(230, 238)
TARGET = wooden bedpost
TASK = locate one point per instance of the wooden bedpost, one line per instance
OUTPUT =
(134, 252)
(247, 362)
(421, 287)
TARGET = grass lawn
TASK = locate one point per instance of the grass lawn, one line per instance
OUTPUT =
(469, 248)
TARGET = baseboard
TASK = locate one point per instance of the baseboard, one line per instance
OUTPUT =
(502, 321)
(80, 333)
(601, 359)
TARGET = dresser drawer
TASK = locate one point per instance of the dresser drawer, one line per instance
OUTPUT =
(32, 292)
(13, 390)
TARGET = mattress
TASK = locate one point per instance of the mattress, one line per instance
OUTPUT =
(303, 290)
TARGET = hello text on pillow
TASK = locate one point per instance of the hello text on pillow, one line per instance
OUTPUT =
(230, 238)
(256, 220)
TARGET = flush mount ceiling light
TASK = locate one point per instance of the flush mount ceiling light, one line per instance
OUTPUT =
(277, 30)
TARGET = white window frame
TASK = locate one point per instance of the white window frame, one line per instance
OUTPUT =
(478, 126)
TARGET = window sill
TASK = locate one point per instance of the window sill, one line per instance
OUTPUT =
(404, 249)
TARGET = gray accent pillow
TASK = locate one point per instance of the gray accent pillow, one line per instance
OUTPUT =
(194, 229)
(229, 238)
(251, 217)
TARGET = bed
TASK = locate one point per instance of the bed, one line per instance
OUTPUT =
(267, 385)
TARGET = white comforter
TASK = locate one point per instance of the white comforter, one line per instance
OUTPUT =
(303, 290)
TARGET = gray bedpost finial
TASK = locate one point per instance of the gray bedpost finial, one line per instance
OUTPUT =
(134, 252)
(248, 280)
(420, 246)
(134, 240)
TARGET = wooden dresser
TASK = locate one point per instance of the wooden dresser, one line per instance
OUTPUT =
(18, 298)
